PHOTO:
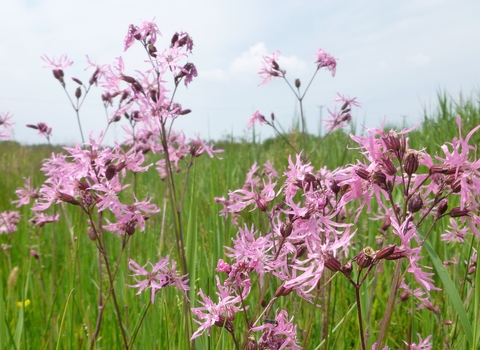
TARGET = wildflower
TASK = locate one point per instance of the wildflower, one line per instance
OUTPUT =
(243, 197)
(424, 344)
(220, 314)
(43, 129)
(5, 124)
(271, 69)
(23, 303)
(456, 234)
(280, 333)
(160, 276)
(25, 194)
(256, 117)
(324, 59)
(9, 221)
(41, 219)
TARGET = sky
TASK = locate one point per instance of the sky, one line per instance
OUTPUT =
(392, 56)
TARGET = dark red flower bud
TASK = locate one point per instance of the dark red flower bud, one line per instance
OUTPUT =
(334, 186)
(347, 269)
(78, 92)
(389, 167)
(282, 291)
(404, 296)
(365, 257)
(94, 77)
(67, 198)
(130, 227)
(411, 164)
(457, 185)
(379, 178)
(286, 229)
(272, 116)
(387, 222)
(385, 252)
(442, 207)
(78, 81)
(398, 253)
(437, 169)
(91, 234)
(457, 212)
(362, 173)
(152, 50)
(415, 203)
(301, 250)
(110, 172)
(471, 269)
(251, 344)
(333, 264)
(297, 83)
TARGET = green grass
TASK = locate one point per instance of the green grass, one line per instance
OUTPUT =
(63, 285)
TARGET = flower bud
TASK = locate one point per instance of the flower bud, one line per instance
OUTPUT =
(379, 178)
(185, 111)
(437, 169)
(392, 143)
(272, 116)
(389, 167)
(387, 222)
(261, 204)
(362, 173)
(152, 50)
(67, 198)
(78, 81)
(91, 234)
(471, 269)
(411, 164)
(286, 229)
(415, 203)
(78, 92)
(442, 207)
(110, 172)
(333, 264)
(34, 254)
(301, 250)
(456, 185)
(365, 257)
(404, 296)
(334, 186)
(385, 252)
(297, 83)
(347, 269)
(398, 253)
(457, 212)
(282, 291)
(130, 227)
(224, 322)
(251, 344)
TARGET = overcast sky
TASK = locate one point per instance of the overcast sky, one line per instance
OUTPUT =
(392, 55)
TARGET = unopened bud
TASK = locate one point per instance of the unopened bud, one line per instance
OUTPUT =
(185, 111)
(387, 222)
(347, 269)
(471, 269)
(282, 291)
(251, 344)
(385, 252)
(379, 178)
(362, 173)
(297, 83)
(411, 164)
(272, 116)
(404, 296)
(110, 172)
(262, 204)
(130, 228)
(301, 250)
(286, 229)
(67, 198)
(457, 212)
(389, 167)
(365, 258)
(78, 92)
(334, 186)
(392, 143)
(152, 50)
(457, 185)
(415, 203)
(34, 254)
(442, 207)
(92, 234)
(78, 81)
(398, 253)
(333, 264)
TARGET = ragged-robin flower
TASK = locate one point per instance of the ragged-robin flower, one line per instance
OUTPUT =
(279, 333)
(270, 68)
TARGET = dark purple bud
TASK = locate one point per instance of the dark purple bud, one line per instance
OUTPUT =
(67, 198)
(457, 212)
(272, 116)
(442, 207)
(185, 111)
(385, 252)
(334, 187)
(251, 344)
(379, 178)
(364, 258)
(389, 167)
(282, 291)
(404, 296)
(301, 250)
(34, 254)
(387, 222)
(152, 50)
(94, 77)
(78, 92)
(392, 142)
(364, 174)
(91, 234)
(110, 172)
(78, 81)
(347, 269)
(32, 126)
(471, 269)
(457, 185)
(297, 83)
(411, 164)
(333, 264)
(437, 169)
(415, 203)
(286, 229)
(398, 253)
(174, 39)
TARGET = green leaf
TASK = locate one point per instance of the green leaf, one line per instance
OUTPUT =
(451, 291)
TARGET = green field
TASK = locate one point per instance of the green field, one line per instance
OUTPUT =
(62, 283)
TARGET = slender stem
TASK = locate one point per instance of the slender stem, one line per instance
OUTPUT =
(134, 336)
(359, 314)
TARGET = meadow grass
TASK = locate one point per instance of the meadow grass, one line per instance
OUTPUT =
(62, 285)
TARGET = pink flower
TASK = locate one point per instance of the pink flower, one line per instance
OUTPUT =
(424, 344)
(9, 221)
(41, 219)
(220, 314)
(243, 197)
(5, 124)
(43, 129)
(57, 64)
(25, 194)
(270, 68)
(456, 234)
(278, 334)
(324, 59)
(256, 117)
(159, 277)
